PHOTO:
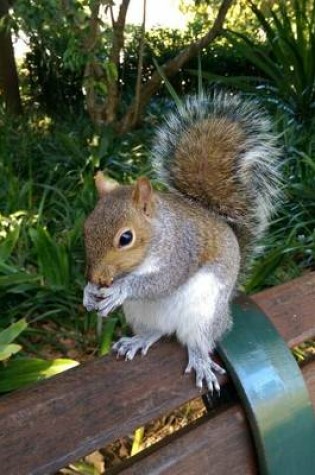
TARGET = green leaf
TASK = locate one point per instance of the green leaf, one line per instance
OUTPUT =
(13, 331)
(111, 71)
(20, 372)
(200, 89)
(266, 267)
(8, 243)
(168, 85)
(84, 468)
(107, 335)
(16, 279)
(245, 83)
(8, 350)
(53, 258)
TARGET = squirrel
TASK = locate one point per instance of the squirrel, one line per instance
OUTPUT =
(173, 259)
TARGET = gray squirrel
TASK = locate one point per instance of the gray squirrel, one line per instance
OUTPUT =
(173, 259)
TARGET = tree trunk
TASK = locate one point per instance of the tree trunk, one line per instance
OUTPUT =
(113, 94)
(104, 111)
(9, 81)
(170, 68)
(140, 65)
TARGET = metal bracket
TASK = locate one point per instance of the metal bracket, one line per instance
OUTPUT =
(273, 392)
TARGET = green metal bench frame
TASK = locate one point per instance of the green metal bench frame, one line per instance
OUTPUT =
(273, 392)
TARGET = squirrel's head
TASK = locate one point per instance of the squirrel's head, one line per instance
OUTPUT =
(118, 231)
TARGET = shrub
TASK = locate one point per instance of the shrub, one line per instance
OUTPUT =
(285, 60)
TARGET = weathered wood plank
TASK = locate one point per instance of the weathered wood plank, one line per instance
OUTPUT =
(291, 307)
(87, 407)
(222, 443)
(76, 412)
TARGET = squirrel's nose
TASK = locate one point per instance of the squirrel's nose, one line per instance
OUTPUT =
(102, 282)
(100, 278)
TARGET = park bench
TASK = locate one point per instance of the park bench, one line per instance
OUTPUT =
(48, 425)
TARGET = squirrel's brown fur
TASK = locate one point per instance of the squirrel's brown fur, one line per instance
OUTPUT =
(173, 259)
(204, 165)
(114, 211)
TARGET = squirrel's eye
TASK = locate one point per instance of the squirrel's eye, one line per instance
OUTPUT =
(126, 238)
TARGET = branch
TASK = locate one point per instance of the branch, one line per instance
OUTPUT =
(94, 30)
(171, 67)
(9, 79)
(104, 111)
(140, 64)
(112, 18)
(118, 32)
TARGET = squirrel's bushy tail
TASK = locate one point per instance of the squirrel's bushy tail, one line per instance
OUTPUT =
(221, 152)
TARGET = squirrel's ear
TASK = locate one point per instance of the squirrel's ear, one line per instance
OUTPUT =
(143, 195)
(104, 185)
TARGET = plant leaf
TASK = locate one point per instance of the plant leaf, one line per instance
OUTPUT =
(10, 333)
(8, 350)
(168, 85)
(107, 335)
(20, 372)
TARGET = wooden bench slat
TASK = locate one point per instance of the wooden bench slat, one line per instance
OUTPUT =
(59, 420)
(210, 444)
(73, 413)
(222, 443)
(291, 307)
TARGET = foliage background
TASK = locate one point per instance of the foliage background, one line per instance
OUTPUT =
(48, 157)
(49, 154)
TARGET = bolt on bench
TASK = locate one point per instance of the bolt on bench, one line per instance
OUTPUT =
(267, 427)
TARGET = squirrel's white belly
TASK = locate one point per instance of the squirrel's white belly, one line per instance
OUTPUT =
(191, 305)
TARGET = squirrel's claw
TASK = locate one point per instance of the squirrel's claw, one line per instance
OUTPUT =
(112, 297)
(90, 296)
(204, 368)
(102, 300)
(129, 346)
(106, 306)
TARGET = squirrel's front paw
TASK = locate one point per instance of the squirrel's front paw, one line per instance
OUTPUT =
(91, 296)
(111, 298)
(204, 368)
(129, 346)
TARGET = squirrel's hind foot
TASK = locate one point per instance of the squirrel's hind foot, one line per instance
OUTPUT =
(204, 368)
(129, 346)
